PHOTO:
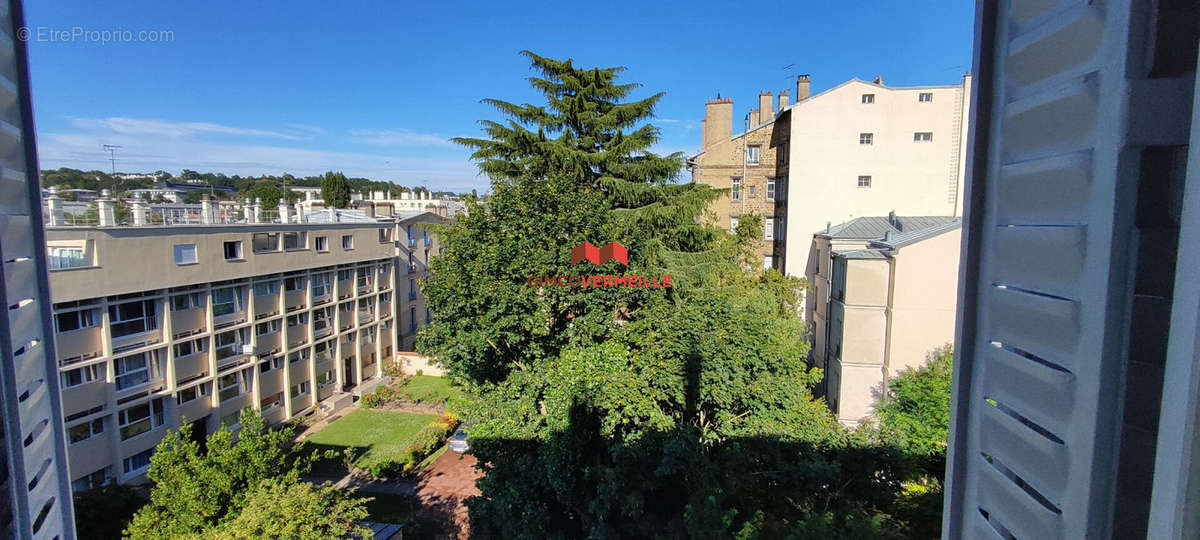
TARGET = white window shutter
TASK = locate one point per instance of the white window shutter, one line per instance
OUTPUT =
(1046, 257)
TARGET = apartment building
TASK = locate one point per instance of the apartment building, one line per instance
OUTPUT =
(751, 166)
(157, 325)
(865, 149)
(884, 299)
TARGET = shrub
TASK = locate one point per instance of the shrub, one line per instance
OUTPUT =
(425, 442)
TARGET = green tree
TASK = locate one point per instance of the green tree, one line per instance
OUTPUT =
(335, 190)
(299, 511)
(268, 192)
(193, 197)
(632, 412)
(196, 491)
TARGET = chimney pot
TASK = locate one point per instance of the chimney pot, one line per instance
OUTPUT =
(802, 86)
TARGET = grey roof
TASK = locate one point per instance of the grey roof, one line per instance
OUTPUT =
(875, 227)
(861, 254)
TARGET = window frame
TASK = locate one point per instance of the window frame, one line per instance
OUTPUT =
(868, 99)
(92, 316)
(753, 154)
(868, 181)
(925, 97)
(181, 254)
(350, 246)
(237, 245)
(922, 136)
(321, 244)
(866, 139)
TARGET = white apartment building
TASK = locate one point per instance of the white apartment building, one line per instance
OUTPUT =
(867, 149)
(157, 326)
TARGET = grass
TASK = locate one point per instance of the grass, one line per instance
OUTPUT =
(428, 389)
(378, 435)
(387, 507)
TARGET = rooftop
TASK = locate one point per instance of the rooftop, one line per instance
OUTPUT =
(888, 233)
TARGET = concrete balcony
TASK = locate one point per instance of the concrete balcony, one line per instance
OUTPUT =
(270, 382)
(188, 322)
(323, 392)
(91, 454)
(79, 345)
(83, 397)
(229, 319)
(345, 321)
(141, 442)
(136, 341)
(324, 364)
(195, 409)
(319, 333)
(266, 305)
(297, 335)
(269, 343)
(191, 366)
(384, 309)
(294, 300)
(365, 317)
(298, 373)
(319, 299)
(233, 405)
(366, 288)
(345, 288)
(274, 415)
(299, 403)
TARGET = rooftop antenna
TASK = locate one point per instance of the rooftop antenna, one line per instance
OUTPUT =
(112, 156)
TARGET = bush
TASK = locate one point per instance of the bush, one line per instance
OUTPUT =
(381, 396)
(425, 442)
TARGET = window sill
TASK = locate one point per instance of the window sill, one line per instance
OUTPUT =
(239, 259)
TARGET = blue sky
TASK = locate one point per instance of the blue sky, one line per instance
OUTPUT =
(375, 88)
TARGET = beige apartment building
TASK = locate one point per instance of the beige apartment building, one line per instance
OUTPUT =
(866, 149)
(158, 325)
(751, 166)
(883, 298)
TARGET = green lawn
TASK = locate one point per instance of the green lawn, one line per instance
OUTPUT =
(427, 389)
(379, 435)
(388, 508)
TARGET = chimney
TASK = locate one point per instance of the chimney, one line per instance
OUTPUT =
(369, 209)
(299, 212)
(285, 211)
(54, 203)
(208, 211)
(104, 207)
(766, 107)
(879, 79)
(248, 211)
(783, 100)
(256, 216)
(718, 121)
(887, 236)
(140, 213)
(802, 83)
(892, 218)
(309, 196)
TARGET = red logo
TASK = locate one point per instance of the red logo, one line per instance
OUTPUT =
(599, 256)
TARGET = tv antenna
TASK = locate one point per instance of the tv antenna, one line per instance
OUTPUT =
(112, 155)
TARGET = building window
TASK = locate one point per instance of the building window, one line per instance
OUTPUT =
(229, 386)
(925, 97)
(228, 300)
(736, 192)
(75, 320)
(866, 138)
(269, 364)
(184, 302)
(752, 153)
(263, 288)
(868, 99)
(325, 379)
(233, 250)
(297, 320)
(347, 241)
(131, 318)
(751, 191)
(295, 240)
(783, 153)
(322, 243)
(188, 395)
(139, 419)
(228, 343)
(137, 462)
(293, 284)
(425, 235)
(92, 481)
(385, 236)
(864, 181)
(132, 370)
(767, 262)
(185, 253)
(923, 136)
(266, 327)
(188, 348)
(771, 189)
(67, 257)
(265, 242)
(733, 223)
(412, 289)
(271, 401)
(412, 240)
(300, 389)
(83, 375)
(769, 229)
(232, 419)
(320, 285)
(412, 318)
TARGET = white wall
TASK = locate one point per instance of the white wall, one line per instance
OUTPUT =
(911, 178)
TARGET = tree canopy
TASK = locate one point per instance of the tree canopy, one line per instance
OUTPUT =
(335, 190)
(632, 412)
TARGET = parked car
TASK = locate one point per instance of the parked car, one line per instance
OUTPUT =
(459, 443)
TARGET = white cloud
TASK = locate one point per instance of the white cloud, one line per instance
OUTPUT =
(163, 128)
(399, 137)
